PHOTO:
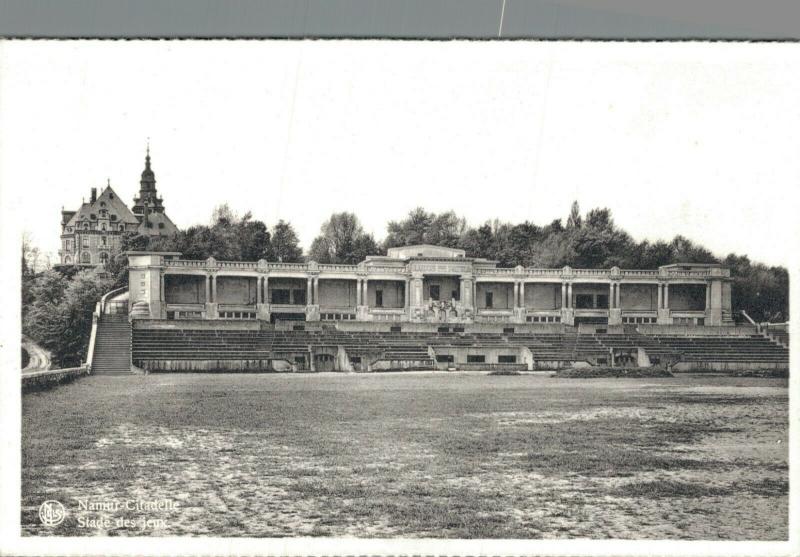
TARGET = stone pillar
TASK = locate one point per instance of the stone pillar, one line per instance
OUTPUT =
(161, 288)
(316, 290)
(259, 291)
(618, 303)
(516, 295)
(211, 304)
(708, 297)
(309, 292)
(563, 295)
(358, 292)
(569, 295)
(406, 294)
(664, 316)
(611, 297)
(660, 297)
(262, 308)
(208, 288)
(522, 294)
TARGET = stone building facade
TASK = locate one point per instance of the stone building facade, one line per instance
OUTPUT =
(93, 233)
(426, 284)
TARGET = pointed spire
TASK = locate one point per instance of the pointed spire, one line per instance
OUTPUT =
(147, 157)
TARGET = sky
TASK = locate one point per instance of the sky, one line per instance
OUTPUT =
(698, 139)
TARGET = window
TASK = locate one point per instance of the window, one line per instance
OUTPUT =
(104, 257)
(93, 216)
(86, 226)
(506, 359)
(379, 298)
(476, 359)
(86, 257)
(455, 295)
(395, 329)
(103, 213)
(69, 229)
(583, 301)
(434, 292)
(86, 242)
(443, 329)
(113, 217)
(68, 259)
(103, 227)
(445, 358)
(280, 297)
(161, 225)
(489, 300)
(299, 296)
(602, 301)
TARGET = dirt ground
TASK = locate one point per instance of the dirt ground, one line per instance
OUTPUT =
(411, 455)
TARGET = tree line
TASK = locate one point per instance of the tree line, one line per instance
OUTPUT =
(57, 304)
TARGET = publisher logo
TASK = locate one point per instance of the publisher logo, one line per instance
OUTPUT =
(51, 513)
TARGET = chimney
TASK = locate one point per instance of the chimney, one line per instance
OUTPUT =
(94, 195)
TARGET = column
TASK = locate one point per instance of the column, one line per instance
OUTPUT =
(358, 292)
(259, 291)
(316, 290)
(365, 295)
(214, 288)
(618, 303)
(611, 297)
(569, 295)
(162, 294)
(708, 296)
(406, 293)
(563, 295)
(516, 294)
(266, 290)
(660, 297)
(522, 294)
(208, 288)
(666, 296)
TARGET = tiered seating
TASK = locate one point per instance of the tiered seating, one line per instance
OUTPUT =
(629, 342)
(157, 344)
(753, 348)
(413, 348)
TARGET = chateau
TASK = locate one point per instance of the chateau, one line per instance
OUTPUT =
(92, 233)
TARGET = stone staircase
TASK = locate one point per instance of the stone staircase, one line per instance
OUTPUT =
(112, 349)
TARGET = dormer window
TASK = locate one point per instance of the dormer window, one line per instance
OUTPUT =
(93, 216)
(103, 213)
(69, 229)
(111, 196)
(86, 226)
(103, 227)
(102, 203)
(113, 217)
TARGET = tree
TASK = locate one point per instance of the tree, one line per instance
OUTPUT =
(285, 245)
(60, 318)
(574, 220)
(342, 240)
(411, 230)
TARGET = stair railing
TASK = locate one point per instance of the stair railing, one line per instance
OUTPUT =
(107, 295)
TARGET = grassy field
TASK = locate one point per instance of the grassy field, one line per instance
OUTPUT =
(411, 455)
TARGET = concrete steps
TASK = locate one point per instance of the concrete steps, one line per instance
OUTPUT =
(112, 350)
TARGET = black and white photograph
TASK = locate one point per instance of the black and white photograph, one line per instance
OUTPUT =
(383, 290)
